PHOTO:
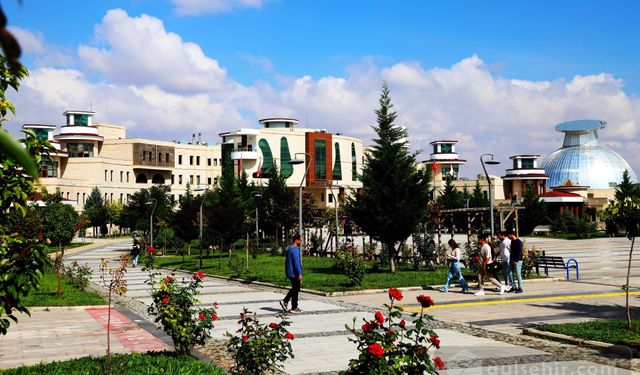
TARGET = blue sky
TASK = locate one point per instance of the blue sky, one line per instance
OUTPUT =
(482, 72)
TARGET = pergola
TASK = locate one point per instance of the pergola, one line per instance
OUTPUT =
(472, 214)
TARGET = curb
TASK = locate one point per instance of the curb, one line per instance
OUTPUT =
(618, 349)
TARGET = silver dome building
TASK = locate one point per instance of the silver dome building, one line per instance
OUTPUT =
(582, 160)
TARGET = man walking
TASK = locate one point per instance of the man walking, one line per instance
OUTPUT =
(505, 251)
(516, 258)
(293, 270)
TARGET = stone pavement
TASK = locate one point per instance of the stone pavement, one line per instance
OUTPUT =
(322, 345)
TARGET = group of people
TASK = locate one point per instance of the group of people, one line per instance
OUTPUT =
(507, 261)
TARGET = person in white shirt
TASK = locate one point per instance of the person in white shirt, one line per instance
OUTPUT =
(454, 267)
(485, 263)
(505, 251)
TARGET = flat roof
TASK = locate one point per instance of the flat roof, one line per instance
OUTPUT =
(580, 125)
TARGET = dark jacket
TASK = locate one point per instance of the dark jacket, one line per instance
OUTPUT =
(292, 265)
(516, 251)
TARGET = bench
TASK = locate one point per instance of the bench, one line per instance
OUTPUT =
(556, 262)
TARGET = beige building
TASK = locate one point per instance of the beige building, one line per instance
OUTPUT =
(331, 161)
(100, 155)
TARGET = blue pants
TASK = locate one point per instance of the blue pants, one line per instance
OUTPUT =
(518, 269)
(507, 272)
(135, 260)
(454, 269)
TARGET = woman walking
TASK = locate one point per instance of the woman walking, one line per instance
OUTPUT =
(454, 267)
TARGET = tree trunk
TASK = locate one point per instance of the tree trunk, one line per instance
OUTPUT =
(628, 285)
(392, 255)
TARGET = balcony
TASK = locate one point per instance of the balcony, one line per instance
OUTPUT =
(246, 153)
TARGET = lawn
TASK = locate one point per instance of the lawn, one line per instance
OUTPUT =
(611, 331)
(52, 248)
(47, 294)
(123, 364)
(319, 273)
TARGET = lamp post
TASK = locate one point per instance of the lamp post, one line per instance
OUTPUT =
(490, 162)
(296, 162)
(200, 220)
(335, 202)
(257, 194)
(154, 202)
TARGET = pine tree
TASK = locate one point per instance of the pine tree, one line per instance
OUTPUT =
(478, 199)
(535, 211)
(450, 196)
(95, 210)
(626, 188)
(395, 192)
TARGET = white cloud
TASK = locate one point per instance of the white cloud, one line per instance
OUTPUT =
(161, 87)
(140, 51)
(258, 61)
(30, 42)
(44, 54)
(196, 7)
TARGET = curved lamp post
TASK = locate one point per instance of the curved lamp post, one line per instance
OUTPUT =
(200, 219)
(256, 195)
(490, 162)
(296, 162)
(154, 202)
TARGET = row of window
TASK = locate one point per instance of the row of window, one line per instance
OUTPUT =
(162, 157)
(109, 197)
(48, 168)
(80, 150)
(108, 176)
(197, 160)
(191, 180)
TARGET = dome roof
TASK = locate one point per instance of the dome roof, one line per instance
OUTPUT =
(582, 160)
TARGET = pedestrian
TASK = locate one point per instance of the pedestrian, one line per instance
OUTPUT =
(505, 250)
(487, 266)
(293, 270)
(455, 268)
(515, 258)
(135, 253)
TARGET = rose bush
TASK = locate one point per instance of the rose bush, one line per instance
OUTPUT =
(258, 348)
(351, 263)
(174, 308)
(388, 346)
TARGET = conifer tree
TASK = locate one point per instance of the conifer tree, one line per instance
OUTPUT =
(478, 199)
(95, 210)
(626, 188)
(395, 192)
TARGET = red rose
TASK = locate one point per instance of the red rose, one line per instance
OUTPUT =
(366, 327)
(273, 325)
(396, 294)
(214, 316)
(438, 362)
(151, 249)
(435, 341)
(168, 279)
(198, 276)
(215, 304)
(245, 338)
(165, 300)
(403, 323)
(376, 350)
(289, 336)
(379, 317)
(201, 317)
(425, 301)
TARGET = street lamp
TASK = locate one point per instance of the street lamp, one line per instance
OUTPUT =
(257, 194)
(296, 162)
(335, 202)
(154, 202)
(200, 220)
(490, 162)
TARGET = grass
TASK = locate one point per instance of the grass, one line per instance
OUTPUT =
(610, 331)
(123, 364)
(319, 273)
(47, 294)
(53, 248)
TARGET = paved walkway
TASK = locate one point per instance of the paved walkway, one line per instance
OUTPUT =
(322, 345)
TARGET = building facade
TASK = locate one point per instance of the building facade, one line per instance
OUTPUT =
(92, 155)
(331, 162)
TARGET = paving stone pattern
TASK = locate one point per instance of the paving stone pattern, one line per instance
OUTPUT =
(322, 344)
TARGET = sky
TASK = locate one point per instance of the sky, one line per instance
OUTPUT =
(494, 75)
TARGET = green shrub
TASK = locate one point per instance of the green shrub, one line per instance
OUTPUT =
(258, 348)
(236, 265)
(78, 276)
(351, 264)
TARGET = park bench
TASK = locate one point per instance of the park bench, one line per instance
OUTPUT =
(556, 262)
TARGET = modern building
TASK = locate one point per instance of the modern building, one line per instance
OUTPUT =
(92, 155)
(523, 174)
(333, 161)
(583, 161)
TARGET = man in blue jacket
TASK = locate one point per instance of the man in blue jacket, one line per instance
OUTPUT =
(293, 270)
(516, 258)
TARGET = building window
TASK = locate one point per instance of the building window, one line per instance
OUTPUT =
(330, 198)
(198, 180)
(48, 168)
(160, 157)
(121, 176)
(121, 197)
(144, 155)
(157, 179)
(321, 197)
(208, 180)
(321, 159)
(354, 163)
(141, 178)
(111, 197)
(80, 150)
(215, 162)
(80, 120)
(191, 179)
(180, 179)
(190, 159)
(180, 159)
(77, 198)
(41, 134)
(197, 160)
(285, 156)
(127, 176)
(215, 180)
(166, 157)
(105, 198)
(209, 161)
(111, 177)
(83, 198)
(446, 148)
(337, 166)
(105, 174)
(173, 179)
(527, 163)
